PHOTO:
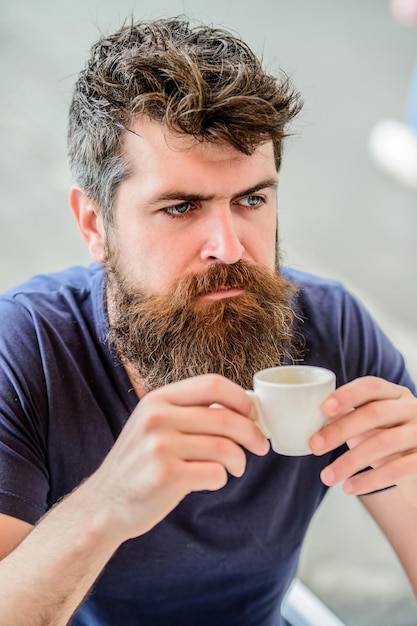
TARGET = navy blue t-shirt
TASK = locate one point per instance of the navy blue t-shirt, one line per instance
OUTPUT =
(222, 558)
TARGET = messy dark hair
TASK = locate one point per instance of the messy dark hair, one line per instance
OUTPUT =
(196, 80)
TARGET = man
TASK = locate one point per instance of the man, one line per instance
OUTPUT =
(135, 486)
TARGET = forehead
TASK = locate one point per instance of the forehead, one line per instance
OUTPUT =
(150, 147)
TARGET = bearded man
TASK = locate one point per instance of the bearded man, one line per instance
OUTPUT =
(135, 485)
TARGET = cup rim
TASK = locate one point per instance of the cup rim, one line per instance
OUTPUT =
(328, 375)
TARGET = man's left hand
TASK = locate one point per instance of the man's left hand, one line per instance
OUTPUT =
(378, 421)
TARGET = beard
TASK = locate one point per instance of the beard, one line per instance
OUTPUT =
(168, 337)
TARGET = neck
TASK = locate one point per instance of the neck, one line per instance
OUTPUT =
(136, 384)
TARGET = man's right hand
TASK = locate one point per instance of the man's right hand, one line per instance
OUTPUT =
(175, 442)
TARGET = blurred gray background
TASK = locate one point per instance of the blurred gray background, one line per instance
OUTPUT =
(339, 215)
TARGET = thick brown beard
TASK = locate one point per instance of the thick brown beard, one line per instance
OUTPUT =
(166, 338)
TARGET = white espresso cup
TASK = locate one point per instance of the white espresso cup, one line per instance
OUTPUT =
(288, 400)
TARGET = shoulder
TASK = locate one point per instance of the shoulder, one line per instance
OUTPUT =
(339, 332)
(321, 307)
(77, 278)
(317, 295)
(43, 290)
(48, 302)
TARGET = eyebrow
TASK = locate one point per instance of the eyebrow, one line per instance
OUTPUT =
(269, 183)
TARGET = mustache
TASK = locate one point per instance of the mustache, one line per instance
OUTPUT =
(220, 277)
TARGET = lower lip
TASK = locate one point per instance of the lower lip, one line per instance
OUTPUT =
(219, 295)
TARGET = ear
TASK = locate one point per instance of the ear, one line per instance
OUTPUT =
(89, 222)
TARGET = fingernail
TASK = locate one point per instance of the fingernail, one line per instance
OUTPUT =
(347, 486)
(317, 443)
(330, 407)
(327, 476)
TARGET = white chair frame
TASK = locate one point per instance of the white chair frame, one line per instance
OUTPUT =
(301, 607)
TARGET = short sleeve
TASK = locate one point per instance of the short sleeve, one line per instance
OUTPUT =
(366, 348)
(23, 416)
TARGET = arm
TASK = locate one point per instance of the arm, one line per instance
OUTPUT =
(52, 569)
(12, 532)
(378, 420)
(174, 443)
(398, 520)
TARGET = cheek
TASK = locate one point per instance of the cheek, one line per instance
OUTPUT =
(263, 246)
(155, 267)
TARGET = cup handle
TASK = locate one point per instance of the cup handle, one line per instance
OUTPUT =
(260, 422)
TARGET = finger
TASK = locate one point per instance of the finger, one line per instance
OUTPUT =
(202, 476)
(358, 392)
(196, 448)
(167, 446)
(226, 423)
(403, 468)
(208, 389)
(210, 421)
(377, 450)
(374, 415)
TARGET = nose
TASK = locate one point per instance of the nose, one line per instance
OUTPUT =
(221, 238)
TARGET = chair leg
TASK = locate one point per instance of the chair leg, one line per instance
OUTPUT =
(301, 607)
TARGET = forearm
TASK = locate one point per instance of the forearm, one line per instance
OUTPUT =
(397, 518)
(48, 575)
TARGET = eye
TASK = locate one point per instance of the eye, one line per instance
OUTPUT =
(253, 202)
(179, 210)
